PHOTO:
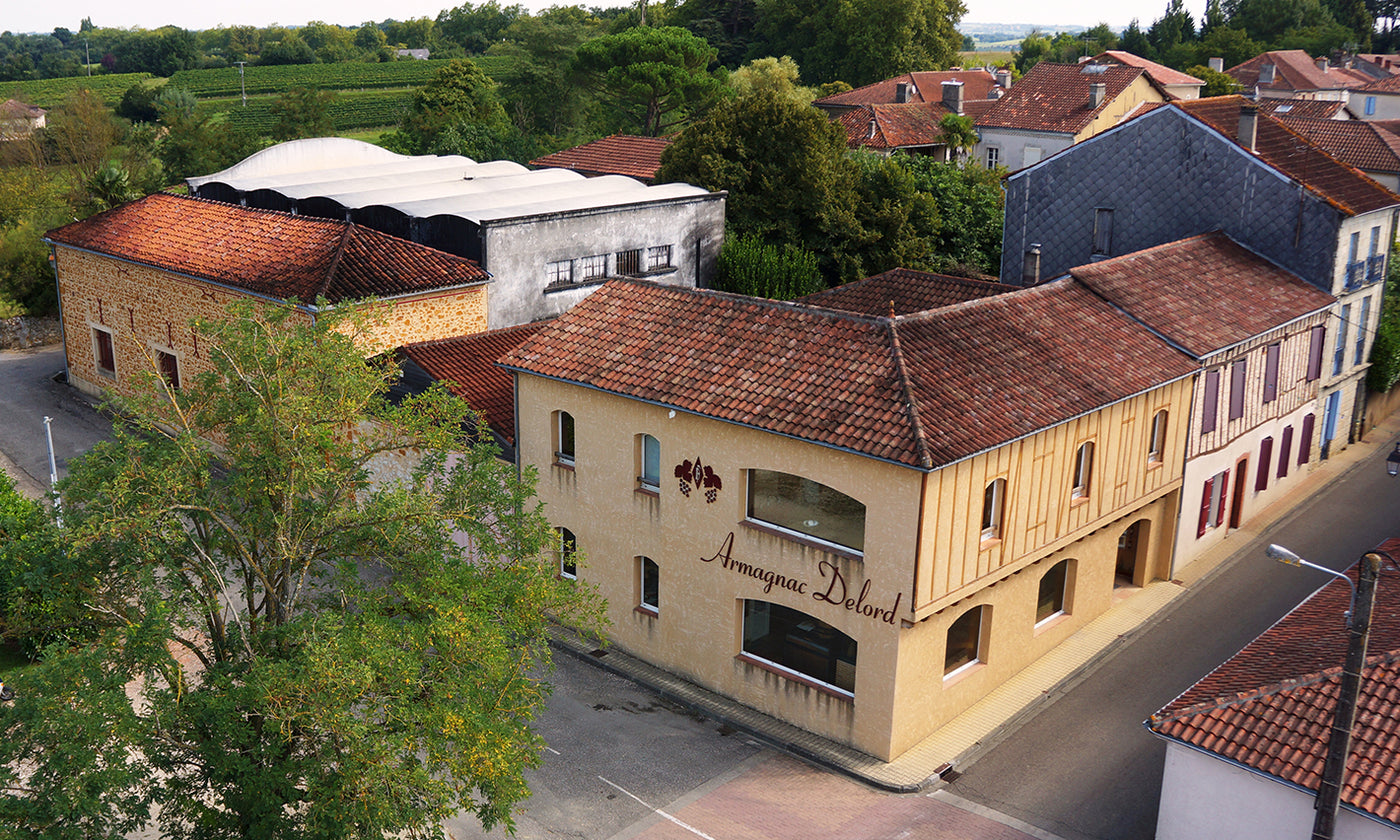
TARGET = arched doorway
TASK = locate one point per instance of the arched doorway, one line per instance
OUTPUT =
(1131, 566)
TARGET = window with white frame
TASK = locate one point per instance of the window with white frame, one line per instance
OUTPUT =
(993, 156)
(1340, 354)
(658, 257)
(649, 584)
(1157, 438)
(648, 463)
(559, 273)
(1083, 470)
(1051, 599)
(804, 508)
(568, 553)
(965, 641)
(993, 506)
(104, 351)
(564, 438)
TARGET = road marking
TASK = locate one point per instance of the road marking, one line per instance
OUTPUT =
(693, 830)
(553, 750)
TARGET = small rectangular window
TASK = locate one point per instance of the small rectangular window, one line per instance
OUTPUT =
(1103, 231)
(993, 157)
(1370, 106)
(169, 368)
(1158, 438)
(650, 585)
(1271, 354)
(1210, 402)
(1238, 373)
(1362, 327)
(1317, 339)
(993, 502)
(1031, 155)
(629, 263)
(104, 352)
(560, 273)
(568, 553)
(1083, 470)
(593, 268)
(649, 457)
(1340, 354)
(564, 438)
(658, 257)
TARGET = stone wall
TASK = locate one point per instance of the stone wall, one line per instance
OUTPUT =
(24, 331)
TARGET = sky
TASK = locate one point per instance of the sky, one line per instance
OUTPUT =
(45, 15)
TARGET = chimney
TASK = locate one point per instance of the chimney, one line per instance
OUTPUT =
(1030, 268)
(1096, 94)
(870, 130)
(1218, 65)
(1249, 125)
(953, 96)
(901, 92)
(1004, 77)
(1266, 74)
(1321, 62)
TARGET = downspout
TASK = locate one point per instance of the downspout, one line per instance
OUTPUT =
(57, 291)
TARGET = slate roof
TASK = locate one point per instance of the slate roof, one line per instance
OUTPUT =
(1164, 288)
(620, 154)
(905, 290)
(926, 86)
(1160, 73)
(1270, 706)
(1322, 109)
(272, 254)
(1288, 151)
(1294, 70)
(1055, 97)
(921, 390)
(469, 364)
(1359, 143)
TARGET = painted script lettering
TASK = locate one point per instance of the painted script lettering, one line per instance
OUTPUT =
(769, 578)
(836, 593)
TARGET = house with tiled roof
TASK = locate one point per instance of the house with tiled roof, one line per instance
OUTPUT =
(904, 291)
(906, 113)
(1178, 84)
(1376, 100)
(1371, 147)
(1293, 74)
(855, 521)
(131, 279)
(928, 87)
(1055, 106)
(1246, 745)
(1318, 109)
(20, 119)
(1258, 333)
(619, 154)
(1218, 164)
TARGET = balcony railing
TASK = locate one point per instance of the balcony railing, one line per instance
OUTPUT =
(1356, 274)
(1375, 268)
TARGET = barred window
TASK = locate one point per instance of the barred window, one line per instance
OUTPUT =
(658, 256)
(593, 268)
(629, 262)
(559, 273)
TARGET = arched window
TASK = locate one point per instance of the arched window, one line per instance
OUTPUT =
(795, 641)
(993, 505)
(568, 548)
(965, 640)
(801, 506)
(1053, 588)
(1083, 470)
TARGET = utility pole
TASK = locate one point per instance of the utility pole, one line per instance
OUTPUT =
(241, 86)
(87, 57)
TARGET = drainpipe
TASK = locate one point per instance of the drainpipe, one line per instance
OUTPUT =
(57, 290)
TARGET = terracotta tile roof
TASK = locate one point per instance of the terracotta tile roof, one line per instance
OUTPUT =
(620, 154)
(1294, 70)
(14, 109)
(1343, 186)
(896, 126)
(1322, 109)
(1055, 97)
(922, 390)
(925, 86)
(276, 255)
(1164, 286)
(1362, 144)
(906, 290)
(1270, 706)
(1389, 84)
(469, 363)
(1160, 73)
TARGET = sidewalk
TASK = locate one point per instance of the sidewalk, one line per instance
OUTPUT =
(979, 728)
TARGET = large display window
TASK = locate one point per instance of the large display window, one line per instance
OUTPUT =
(798, 642)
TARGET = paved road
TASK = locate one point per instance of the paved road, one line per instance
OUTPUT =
(28, 394)
(1084, 768)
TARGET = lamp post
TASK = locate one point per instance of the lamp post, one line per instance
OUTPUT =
(1363, 599)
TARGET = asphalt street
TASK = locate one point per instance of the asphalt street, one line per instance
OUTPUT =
(1084, 767)
(28, 394)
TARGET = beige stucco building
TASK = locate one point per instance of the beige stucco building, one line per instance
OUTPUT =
(132, 279)
(858, 524)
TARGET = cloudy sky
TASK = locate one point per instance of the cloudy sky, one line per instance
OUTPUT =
(45, 15)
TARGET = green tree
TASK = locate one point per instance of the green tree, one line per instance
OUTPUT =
(749, 266)
(538, 84)
(727, 25)
(291, 49)
(958, 133)
(860, 41)
(970, 201)
(1231, 45)
(475, 28)
(779, 75)
(370, 39)
(139, 104)
(1385, 351)
(414, 34)
(1174, 27)
(303, 112)
(1134, 40)
(1035, 48)
(198, 144)
(316, 656)
(458, 93)
(653, 80)
(1216, 83)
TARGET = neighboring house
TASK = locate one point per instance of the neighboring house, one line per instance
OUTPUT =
(915, 128)
(1378, 100)
(1258, 333)
(19, 120)
(1377, 64)
(927, 87)
(419, 54)
(857, 523)
(1247, 743)
(548, 237)
(1176, 83)
(1318, 109)
(466, 364)
(131, 279)
(1055, 106)
(1293, 74)
(1217, 164)
(906, 113)
(620, 154)
(1371, 147)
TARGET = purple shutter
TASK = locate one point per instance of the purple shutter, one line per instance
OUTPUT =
(1285, 450)
(1271, 372)
(1238, 373)
(1266, 453)
(1305, 439)
(1210, 402)
(1317, 340)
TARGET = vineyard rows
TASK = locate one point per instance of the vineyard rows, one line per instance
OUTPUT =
(349, 110)
(224, 81)
(50, 93)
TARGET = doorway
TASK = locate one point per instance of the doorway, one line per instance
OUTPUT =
(1129, 569)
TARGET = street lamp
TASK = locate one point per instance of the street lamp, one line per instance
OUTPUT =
(1392, 461)
(1363, 599)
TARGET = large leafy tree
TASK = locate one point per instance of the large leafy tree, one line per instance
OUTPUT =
(538, 86)
(329, 624)
(458, 93)
(654, 80)
(303, 112)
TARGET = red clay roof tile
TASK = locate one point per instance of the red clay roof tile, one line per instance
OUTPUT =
(906, 291)
(1295, 70)
(267, 253)
(620, 154)
(924, 86)
(1361, 144)
(1160, 73)
(1055, 97)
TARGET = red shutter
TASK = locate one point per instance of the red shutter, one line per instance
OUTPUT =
(1317, 340)
(1266, 452)
(1205, 508)
(1305, 439)
(1285, 450)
